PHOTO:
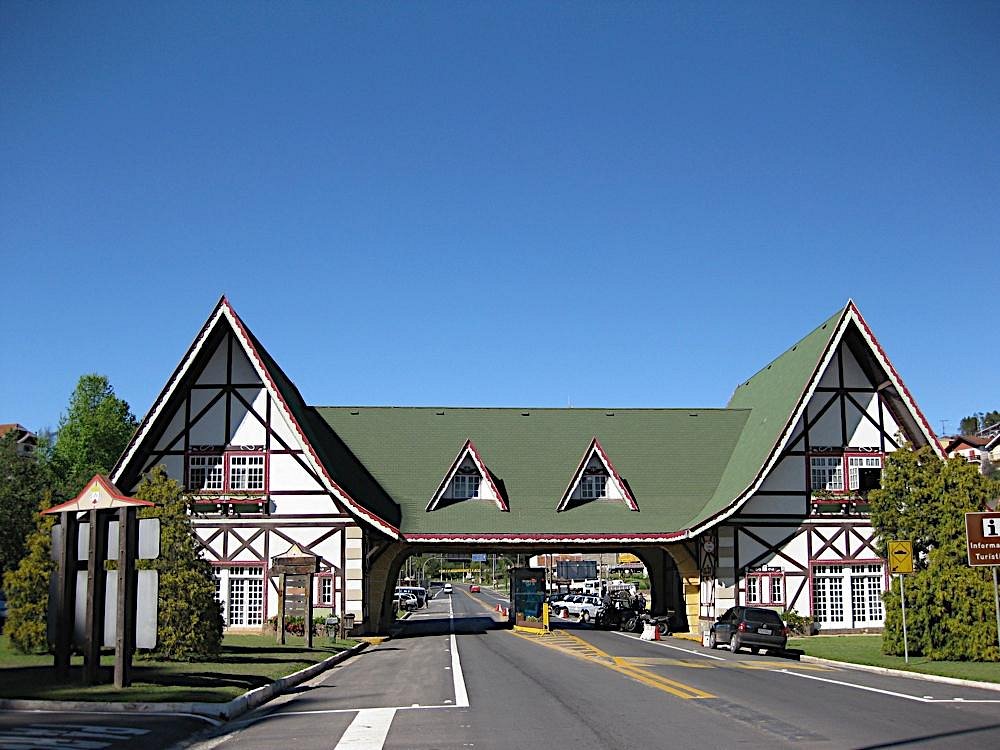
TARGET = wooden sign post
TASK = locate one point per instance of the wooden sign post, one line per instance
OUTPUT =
(295, 569)
(101, 500)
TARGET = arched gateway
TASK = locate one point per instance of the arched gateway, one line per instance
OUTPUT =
(763, 501)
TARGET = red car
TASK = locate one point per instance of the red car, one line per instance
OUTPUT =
(474, 588)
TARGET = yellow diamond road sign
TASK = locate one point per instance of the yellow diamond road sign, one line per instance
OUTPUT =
(900, 556)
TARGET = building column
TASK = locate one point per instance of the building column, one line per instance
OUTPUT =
(381, 573)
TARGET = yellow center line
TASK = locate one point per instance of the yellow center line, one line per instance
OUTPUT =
(576, 646)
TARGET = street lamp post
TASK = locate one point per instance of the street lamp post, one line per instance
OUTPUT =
(423, 568)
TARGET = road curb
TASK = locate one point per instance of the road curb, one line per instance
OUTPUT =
(215, 711)
(902, 673)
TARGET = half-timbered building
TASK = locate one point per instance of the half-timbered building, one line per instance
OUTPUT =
(763, 501)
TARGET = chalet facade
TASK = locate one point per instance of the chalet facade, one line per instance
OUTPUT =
(25, 441)
(760, 502)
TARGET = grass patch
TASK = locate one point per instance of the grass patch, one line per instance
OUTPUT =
(867, 649)
(246, 662)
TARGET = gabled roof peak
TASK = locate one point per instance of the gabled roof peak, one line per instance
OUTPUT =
(614, 486)
(487, 488)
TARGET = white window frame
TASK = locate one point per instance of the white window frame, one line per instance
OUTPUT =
(244, 590)
(826, 473)
(840, 473)
(594, 486)
(210, 470)
(466, 486)
(856, 462)
(848, 594)
(247, 472)
(326, 591)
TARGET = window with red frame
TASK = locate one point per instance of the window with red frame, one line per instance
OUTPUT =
(229, 471)
(864, 472)
(766, 587)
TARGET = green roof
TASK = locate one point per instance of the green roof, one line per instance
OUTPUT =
(771, 395)
(683, 466)
(671, 459)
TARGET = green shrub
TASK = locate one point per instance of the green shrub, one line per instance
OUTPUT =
(27, 589)
(189, 620)
(798, 624)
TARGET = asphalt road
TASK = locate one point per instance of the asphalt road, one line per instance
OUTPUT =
(94, 730)
(453, 679)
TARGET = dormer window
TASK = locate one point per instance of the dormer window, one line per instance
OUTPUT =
(596, 479)
(467, 479)
(594, 486)
(466, 485)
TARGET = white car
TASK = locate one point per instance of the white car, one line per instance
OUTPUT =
(583, 606)
(406, 602)
(447, 589)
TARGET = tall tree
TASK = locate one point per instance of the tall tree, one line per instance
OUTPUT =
(92, 434)
(189, 620)
(949, 605)
(973, 423)
(24, 481)
(969, 425)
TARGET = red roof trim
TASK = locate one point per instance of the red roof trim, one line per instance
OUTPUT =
(604, 536)
(909, 397)
(140, 431)
(849, 309)
(109, 487)
(242, 331)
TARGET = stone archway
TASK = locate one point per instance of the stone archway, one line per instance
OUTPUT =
(675, 583)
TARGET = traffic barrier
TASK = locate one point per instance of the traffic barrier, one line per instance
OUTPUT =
(650, 632)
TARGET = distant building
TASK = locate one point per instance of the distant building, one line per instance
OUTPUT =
(26, 440)
(969, 447)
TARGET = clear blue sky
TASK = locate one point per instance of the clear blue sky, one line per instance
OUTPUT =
(618, 204)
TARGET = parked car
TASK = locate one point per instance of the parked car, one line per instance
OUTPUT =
(752, 627)
(564, 607)
(474, 588)
(583, 606)
(447, 589)
(406, 602)
(418, 591)
(554, 600)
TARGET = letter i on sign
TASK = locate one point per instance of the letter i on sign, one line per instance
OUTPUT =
(991, 527)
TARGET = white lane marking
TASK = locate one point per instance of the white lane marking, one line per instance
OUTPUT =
(884, 692)
(666, 645)
(368, 730)
(461, 694)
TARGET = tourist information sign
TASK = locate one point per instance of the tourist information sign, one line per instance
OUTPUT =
(982, 540)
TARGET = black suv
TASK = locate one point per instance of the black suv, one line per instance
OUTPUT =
(753, 627)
